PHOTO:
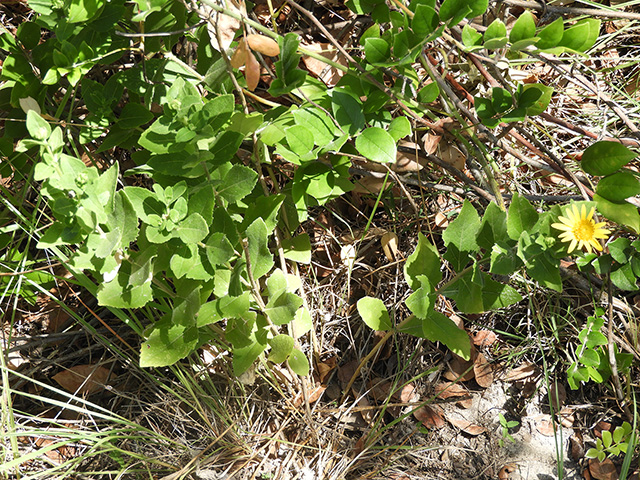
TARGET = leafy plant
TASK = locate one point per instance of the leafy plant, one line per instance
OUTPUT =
(505, 426)
(611, 444)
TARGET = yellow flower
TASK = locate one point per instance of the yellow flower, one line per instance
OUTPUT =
(580, 229)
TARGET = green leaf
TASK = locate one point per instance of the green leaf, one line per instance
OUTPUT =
(496, 30)
(574, 38)
(259, 254)
(167, 343)
(238, 183)
(83, 10)
(281, 348)
(377, 145)
(439, 328)
(605, 157)
(29, 35)
(298, 249)
(193, 229)
(299, 363)
(460, 236)
(424, 261)
(620, 212)
(244, 357)
(493, 228)
(133, 115)
(453, 11)
(618, 186)
(541, 264)
(302, 322)
(624, 278)
(619, 249)
(224, 307)
(347, 111)
(425, 21)
(524, 28)
(316, 121)
(300, 139)
(245, 124)
(289, 76)
(476, 292)
(120, 293)
(282, 309)
(37, 126)
(542, 100)
(428, 93)
(377, 50)
(218, 249)
(421, 302)
(522, 216)
(551, 35)
(501, 100)
(374, 313)
(471, 37)
(399, 128)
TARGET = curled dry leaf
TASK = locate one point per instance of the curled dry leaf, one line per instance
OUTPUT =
(483, 371)
(557, 395)
(252, 71)
(604, 470)
(407, 394)
(429, 417)
(450, 154)
(328, 74)
(83, 379)
(576, 446)
(441, 220)
(264, 45)
(389, 243)
(508, 472)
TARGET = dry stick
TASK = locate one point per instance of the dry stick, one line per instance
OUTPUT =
(359, 67)
(583, 82)
(612, 357)
(578, 129)
(594, 12)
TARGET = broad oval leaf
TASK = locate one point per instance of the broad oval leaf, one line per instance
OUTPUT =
(374, 313)
(619, 186)
(299, 363)
(281, 348)
(377, 144)
(605, 157)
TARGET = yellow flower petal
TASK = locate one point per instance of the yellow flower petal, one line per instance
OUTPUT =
(578, 227)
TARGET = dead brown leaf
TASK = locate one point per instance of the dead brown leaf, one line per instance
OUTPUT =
(389, 243)
(252, 71)
(508, 472)
(483, 371)
(83, 379)
(576, 446)
(544, 425)
(239, 57)
(484, 338)
(605, 470)
(441, 220)
(346, 371)
(264, 45)
(449, 389)
(465, 425)
(429, 417)
(557, 395)
(328, 74)
(522, 372)
(459, 370)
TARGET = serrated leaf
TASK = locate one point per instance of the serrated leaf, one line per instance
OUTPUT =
(167, 343)
(224, 307)
(460, 236)
(282, 309)
(238, 183)
(374, 313)
(347, 110)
